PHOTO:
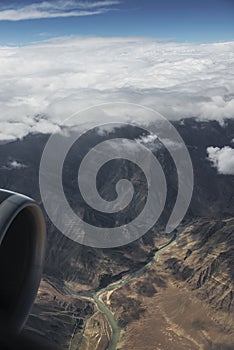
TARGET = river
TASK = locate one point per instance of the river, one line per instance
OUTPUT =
(97, 297)
(116, 285)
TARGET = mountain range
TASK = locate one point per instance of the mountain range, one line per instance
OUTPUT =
(161, 305)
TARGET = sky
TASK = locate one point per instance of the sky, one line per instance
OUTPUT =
(58, 57)
(25, 21)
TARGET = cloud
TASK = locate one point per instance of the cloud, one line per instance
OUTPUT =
(55, 9)
(151, 138)
(222, 159)
(56, 78)
(154, 143)
(13, 164)
(151, 141)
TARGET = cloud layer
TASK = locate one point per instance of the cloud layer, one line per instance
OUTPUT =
(45, 83)
(55, 9)
(222, 159)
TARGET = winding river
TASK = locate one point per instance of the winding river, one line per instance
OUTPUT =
(97, 298)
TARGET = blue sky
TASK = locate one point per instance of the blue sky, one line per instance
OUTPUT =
(21, 22)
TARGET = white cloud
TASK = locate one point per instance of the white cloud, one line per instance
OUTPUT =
(55, 9)
(13, 164)
(151, 138)
(151, 141)
(16, 165)
(59, 77)
(222, 159)
(154, 143)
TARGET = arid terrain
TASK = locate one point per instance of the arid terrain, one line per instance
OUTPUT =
(183, 300)
(186, 297)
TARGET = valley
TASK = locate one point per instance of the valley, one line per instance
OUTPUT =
(164, 304)
(184, 300)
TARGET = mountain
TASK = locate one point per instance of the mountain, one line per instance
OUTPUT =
(199, 265)
(186, 297)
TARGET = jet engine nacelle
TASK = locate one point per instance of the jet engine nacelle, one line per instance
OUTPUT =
(22, 246)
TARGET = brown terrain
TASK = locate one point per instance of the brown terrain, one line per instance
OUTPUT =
(186, 299)
(183, 301)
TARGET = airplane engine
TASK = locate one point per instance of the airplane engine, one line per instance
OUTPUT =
(22, 247)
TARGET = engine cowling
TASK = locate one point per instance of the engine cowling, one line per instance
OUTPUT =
(22, 249)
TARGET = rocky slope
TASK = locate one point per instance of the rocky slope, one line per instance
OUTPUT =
(203, 263)
(185, 300)
(213, 195)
